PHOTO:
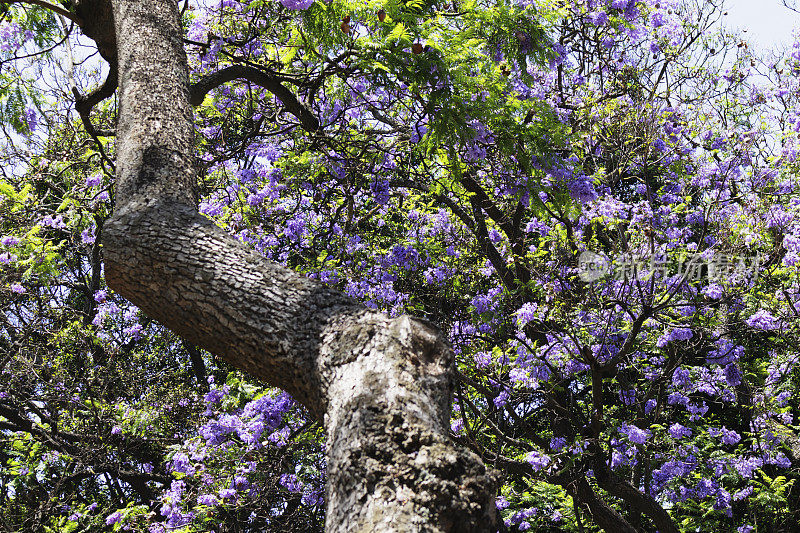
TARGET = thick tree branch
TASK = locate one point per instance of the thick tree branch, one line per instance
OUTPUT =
(97, 23)
(602, 514)
(85, 104)
(264, 78)
(198, 365)
(642, 503)
(509, 225)
(382, 387)
(484, 242)
(494, 212)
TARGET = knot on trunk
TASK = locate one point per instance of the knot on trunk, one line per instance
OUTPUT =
(424, 344)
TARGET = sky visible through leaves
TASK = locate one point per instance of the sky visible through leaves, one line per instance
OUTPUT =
(768, 22)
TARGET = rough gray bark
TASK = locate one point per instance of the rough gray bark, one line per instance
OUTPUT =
(381, 387)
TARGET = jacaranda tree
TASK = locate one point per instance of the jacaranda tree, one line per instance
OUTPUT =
(591, 206)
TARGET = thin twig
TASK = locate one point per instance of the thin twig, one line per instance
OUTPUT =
(52, 7)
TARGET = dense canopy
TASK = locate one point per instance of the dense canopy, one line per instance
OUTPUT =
(597, 202)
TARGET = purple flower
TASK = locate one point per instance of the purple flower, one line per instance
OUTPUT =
(677, 398)
(780, 460)
(635, 434)
(733, 376)
(212, 208)
(501, 503)
(537, 460)
(657, 19)
(227, 493)
(103, 311)
(19, 289)
(208, 499)
(88, 236)
(295, 229)
(246, 175)
(598, 18)
(627, 397)
(102, 197)
(256, 198)
(677, 334)
(6, 258)
(8, 240)
(180, 463)
(381, 191)
(680, 378)
(729, 436)
(291, 483)
(297, 5)
(747, 465)
(649, 406)
(725, 353)
(783, 397)
(678, 431)
(94, 180)
(697, 411)
(311, 497)
(713, 291)
(526, 313)
(31, 119)
(582, 189)
(763, 320)
(116, 430)
(113, 518)
(418, 133)
(214, 395)
(134, 332)
(56, 222)
(501, 399)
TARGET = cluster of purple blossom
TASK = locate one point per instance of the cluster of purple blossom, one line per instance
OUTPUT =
(228, 433)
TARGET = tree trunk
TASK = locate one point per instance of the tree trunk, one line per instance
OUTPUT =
(381, 387)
